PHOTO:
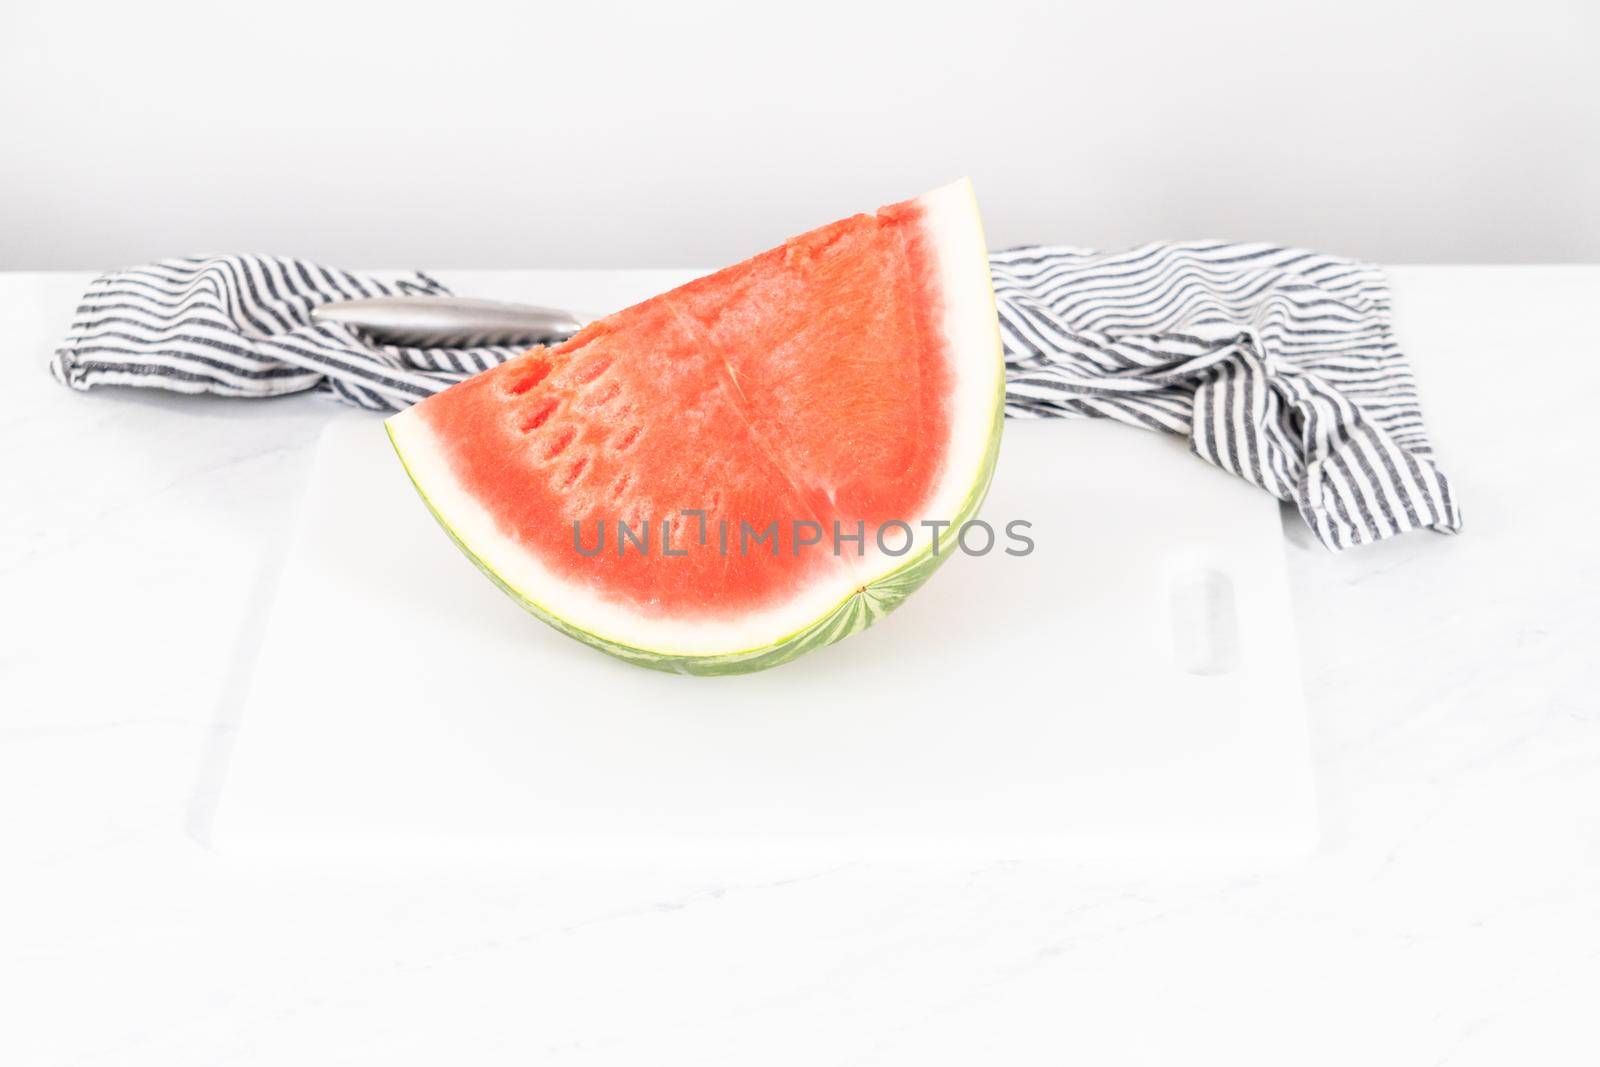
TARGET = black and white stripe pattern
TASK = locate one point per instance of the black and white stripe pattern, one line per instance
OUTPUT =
(242, 326)
(1277, 364)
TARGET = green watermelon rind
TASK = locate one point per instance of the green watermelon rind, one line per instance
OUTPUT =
(851, 615)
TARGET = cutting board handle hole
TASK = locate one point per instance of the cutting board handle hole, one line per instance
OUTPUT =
(1205, 623)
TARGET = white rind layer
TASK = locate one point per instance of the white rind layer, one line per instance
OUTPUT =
(950, 217)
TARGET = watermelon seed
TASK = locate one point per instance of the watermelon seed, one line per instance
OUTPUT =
(593, 370)
(536, 372)
(574, 473)
(605, 396)
(559, 445)
(540, 417)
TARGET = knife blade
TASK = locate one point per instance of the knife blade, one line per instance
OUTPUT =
(449, 321)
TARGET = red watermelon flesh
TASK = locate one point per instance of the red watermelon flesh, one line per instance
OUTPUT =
(848, 378)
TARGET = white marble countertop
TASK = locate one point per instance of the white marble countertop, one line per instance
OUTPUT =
(1451, 915)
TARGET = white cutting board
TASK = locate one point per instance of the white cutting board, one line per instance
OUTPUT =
(1130, 688)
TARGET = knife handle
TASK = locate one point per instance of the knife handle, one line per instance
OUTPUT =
(449, 321)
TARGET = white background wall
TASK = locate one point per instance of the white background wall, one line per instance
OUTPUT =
(467, 133)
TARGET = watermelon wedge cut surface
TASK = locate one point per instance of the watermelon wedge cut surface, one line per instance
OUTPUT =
(845, 382)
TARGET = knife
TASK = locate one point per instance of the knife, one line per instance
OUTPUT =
(449, 321)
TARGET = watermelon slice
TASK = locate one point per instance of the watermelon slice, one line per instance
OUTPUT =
(779, 431)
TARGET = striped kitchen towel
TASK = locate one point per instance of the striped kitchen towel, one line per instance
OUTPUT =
(1279, 365)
